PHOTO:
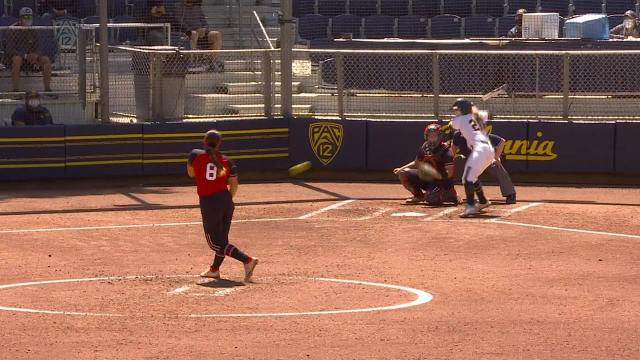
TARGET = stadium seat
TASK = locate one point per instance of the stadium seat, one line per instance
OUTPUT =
(19, 4)
(91, 20)
(117, 8)
(42, 21)
(313, 26)
(493, 8)
(617, 7)
(479, 26)
(462, 8)
(140, 9)
(505, 23)
(95, 20)
(7, 20)
(412, 27)
(555, 6)
(394, 7)
(445, 27)
(346, 24)
(331, 7)
(303, 7)
(615, 20)
(125, 35)
(529, 5)
(87, 8)
(363, 7)
(580, 7)
(426, 8)
(379, 27)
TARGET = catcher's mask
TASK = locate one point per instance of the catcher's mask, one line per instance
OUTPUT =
(433, 135)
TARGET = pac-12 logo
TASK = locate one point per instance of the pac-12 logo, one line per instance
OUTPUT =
(325, 139)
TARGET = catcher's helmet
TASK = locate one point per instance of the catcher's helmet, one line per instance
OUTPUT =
(212, 139)
(465, 106)
(433, 129)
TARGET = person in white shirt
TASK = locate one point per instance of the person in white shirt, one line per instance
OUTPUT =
(470, 122)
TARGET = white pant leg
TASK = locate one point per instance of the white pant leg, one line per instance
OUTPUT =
(481, 157)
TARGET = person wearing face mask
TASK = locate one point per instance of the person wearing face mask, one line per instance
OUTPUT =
(24, 54)
(32, 113)
(516, 31)
(628, 29)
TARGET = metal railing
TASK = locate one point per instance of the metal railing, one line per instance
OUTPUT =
(260, 35)
(564, 85)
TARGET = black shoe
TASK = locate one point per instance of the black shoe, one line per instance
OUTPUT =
(511, 199)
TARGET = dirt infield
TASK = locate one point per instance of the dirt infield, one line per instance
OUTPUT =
(347, 272)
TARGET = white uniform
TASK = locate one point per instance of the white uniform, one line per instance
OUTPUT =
(482, 153)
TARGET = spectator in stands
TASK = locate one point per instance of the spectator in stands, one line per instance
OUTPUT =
(57, 8)
(32, 113)
(189, 15)
(516, 31)
(628, 29)
(158, 14)
(23, 52)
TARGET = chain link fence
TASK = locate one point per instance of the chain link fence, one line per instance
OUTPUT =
(58, 61)
(166, 84)
(513, 84)
(163, 83)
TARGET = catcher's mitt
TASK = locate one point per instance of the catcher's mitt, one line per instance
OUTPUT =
(426, 172)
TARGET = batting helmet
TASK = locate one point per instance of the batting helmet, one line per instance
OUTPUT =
(631, 14)
(465, 106)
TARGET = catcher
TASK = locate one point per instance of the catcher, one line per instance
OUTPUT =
(434, 182)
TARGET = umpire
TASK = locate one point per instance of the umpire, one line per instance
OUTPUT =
(496, 169)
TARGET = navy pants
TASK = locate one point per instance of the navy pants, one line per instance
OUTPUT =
(217, 213)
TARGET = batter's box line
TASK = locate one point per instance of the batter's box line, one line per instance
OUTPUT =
(373, 215)
(325, 209)
(514, 211)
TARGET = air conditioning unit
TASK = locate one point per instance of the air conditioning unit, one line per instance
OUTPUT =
(541, 26)
(589, 26)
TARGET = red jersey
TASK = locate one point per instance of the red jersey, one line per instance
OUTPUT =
(207, 179)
